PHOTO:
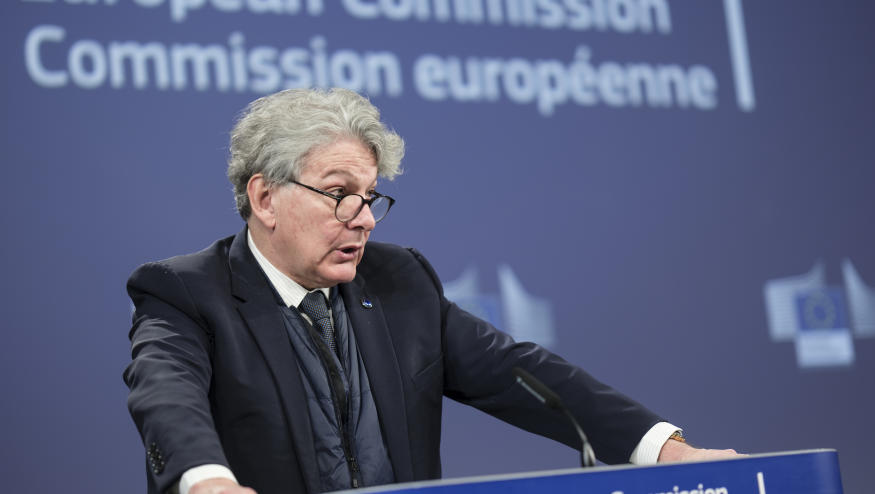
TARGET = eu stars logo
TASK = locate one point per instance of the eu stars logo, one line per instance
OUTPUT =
(824, 337)
(515, 311)
(822, 321)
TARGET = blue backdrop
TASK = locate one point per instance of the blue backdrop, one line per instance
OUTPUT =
(676, 195)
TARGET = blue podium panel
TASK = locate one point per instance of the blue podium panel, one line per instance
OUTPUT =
(802, 472)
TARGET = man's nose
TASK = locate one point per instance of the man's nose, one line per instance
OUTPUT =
(364, 220)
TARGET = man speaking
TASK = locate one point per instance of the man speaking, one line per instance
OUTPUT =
(297, 357)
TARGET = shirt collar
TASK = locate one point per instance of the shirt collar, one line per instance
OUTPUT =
(290, 291)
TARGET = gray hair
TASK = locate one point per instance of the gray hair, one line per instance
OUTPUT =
(274, 135)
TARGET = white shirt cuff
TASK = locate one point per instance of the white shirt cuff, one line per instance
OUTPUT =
(194, 475)
(647, 451)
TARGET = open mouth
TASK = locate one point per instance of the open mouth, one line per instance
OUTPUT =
(350, 249)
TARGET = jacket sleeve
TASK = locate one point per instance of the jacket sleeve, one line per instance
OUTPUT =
(169, 377)
(478, 371)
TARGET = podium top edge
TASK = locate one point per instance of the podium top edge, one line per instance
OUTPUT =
(564, 471)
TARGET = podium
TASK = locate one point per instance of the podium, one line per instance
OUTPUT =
(795, 472)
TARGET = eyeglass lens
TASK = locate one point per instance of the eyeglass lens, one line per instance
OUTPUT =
(350, 206)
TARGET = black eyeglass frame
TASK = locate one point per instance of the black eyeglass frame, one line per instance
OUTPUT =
(367, 202)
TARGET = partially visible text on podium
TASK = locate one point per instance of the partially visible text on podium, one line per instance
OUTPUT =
(798, 472)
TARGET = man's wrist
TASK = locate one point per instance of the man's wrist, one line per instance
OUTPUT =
(203, 472)
(648, 449)
(674, 450)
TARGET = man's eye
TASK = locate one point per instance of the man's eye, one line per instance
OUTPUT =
(372, 193)
(338, 191)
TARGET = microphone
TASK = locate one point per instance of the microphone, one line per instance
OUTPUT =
(548, 397)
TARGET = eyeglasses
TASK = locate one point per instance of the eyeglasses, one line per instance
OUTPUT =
(350, 205)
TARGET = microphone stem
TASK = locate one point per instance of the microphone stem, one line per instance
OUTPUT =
(587, 456)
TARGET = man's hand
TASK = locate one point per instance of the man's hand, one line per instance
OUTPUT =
(677, 451)
(219, 486)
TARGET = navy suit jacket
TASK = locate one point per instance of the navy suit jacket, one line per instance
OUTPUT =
(213, 377)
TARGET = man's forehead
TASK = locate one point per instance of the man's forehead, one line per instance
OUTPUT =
(345, 171)
(348, 170)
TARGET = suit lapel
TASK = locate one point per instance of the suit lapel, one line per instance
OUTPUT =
(258, 308)
(375, 345)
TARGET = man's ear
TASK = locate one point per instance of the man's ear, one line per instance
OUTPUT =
(259, 192)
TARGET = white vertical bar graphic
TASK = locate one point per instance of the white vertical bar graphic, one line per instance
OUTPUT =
(761, 483)
(738, 54)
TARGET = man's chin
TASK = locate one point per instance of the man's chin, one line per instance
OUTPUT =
(341, 274)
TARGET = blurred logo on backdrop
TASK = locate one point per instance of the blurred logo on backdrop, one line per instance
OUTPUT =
(821, 320)
(523, 316)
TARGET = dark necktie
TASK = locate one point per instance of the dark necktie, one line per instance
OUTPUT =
(316, 308)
